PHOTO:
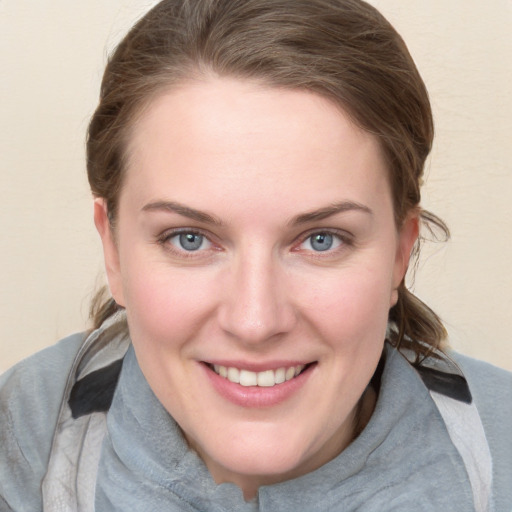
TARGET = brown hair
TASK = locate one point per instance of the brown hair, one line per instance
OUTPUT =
(344, 50)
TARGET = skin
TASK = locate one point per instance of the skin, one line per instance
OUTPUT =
(255, 162)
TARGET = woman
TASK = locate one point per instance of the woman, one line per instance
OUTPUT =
(256, 169)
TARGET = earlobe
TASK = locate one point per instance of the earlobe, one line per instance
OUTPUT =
(110, 250)
(407, 237)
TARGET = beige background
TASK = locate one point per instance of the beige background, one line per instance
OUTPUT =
(52, 53)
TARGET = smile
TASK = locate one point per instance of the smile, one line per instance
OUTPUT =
(267, 378)
(260, 387)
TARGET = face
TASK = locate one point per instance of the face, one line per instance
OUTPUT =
(257, 257)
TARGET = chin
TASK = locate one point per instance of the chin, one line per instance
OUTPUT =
(267, 458)
(266, 462)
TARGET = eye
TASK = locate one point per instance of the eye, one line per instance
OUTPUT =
(321, 242)
(189, 241)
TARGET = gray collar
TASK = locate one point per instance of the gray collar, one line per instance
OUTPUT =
(403, 457)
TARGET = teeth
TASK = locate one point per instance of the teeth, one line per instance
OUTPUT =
(221, 370)
(233, 375)
(248, 378)
(267, 378)
(290, 373)
(280, 376)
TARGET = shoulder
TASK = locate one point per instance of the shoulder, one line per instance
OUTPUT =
(30, 397)
(478, 369)
(491, 388)
(38, 381)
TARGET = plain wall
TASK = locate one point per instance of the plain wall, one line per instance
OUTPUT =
(52, 54)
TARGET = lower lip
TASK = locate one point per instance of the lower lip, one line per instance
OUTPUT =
(256, 396)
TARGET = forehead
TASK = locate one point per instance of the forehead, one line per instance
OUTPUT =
(226, 136)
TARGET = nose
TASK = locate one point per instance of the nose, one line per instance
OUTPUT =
(256, 306)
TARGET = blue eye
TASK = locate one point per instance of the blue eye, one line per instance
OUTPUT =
(320, 242)
(190, 241)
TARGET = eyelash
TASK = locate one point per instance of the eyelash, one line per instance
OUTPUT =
(344, 237)
(165, 238)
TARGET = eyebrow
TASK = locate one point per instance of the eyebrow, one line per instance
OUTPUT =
(328, 211)
(303, 218)
(185, 211)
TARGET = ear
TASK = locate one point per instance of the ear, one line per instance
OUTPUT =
(407, 236)
(110, 250)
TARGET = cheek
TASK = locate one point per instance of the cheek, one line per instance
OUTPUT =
(166, 313)
(163, 305)
(351, 302)
(349, 313)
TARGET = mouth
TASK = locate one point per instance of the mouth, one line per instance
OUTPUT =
(266, 378)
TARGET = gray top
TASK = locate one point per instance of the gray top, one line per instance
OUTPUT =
(404, 459)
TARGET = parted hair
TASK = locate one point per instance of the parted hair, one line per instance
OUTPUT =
(344, 50)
